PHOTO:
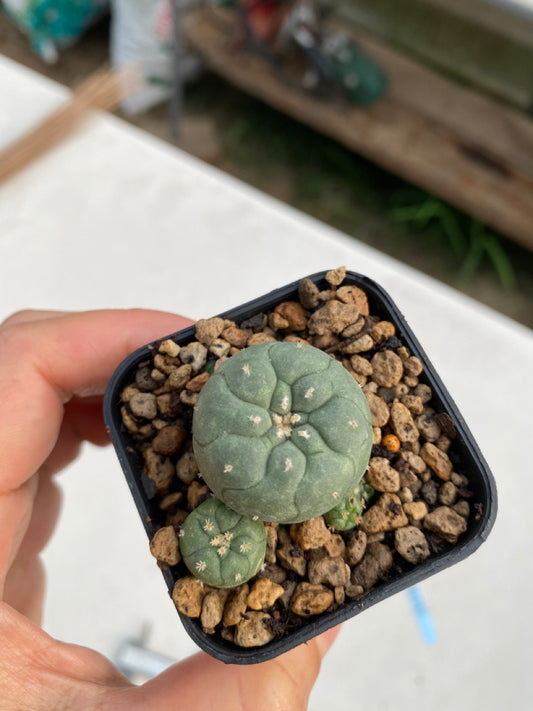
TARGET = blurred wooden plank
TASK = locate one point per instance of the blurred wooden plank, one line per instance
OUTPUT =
(393, 134)
(476, 46)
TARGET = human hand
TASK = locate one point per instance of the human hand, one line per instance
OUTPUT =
(53, 371)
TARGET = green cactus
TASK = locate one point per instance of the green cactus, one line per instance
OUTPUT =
(281, 431)
(348, 512)
(219, 546)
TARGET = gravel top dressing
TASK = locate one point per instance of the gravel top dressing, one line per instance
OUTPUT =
(285, 573)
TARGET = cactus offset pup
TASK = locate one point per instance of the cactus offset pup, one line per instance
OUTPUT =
(281, 432)
(219, 546)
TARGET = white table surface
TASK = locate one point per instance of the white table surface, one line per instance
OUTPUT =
(116, 218)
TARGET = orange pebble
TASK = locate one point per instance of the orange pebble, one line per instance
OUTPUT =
(391, 442)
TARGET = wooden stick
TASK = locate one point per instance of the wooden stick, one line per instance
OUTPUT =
(103, 90)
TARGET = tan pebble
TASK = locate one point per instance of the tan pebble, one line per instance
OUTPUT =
(335, 545)
(128, 420)
(406, 495)
(403, 352)
(382, 331)
(274, 573)
(170, 500)
(355, 547)
(446, 523)
(443, 443)
(416, 510)
(361, 365)
(164, 546)
(354, 328)
(194, 385)
(410, 381)
(308, 293)
(333, 317)
(293, 338)
(416, 463)
(335, 277)
(128, 392)
(379, 410)
(187, 467)
(354, 591)
(328, 571)
(235, 605)
(180, 376)
(294, 314)
(292, 559)
(387, 369)
(359, 345)
(340, 594)
(377, 561)
(263, 594)
(159, 469)
(253, 630)
(424, 392)
(212, 610)
(413, 403)
(271, 544)
(188, 398)
(277, 322)
(325, 341)
(187, 595)
(428, 427)
(144, 405)
(411, 544)
(169, 347)
(196, 493)
(437, 460)
(208, 329)
(309, 599)
(354, 295)
(408, 479)
(403, 423)
(327, 295)
(260, 338)
(462, 507)
(169, 439)
(219, 348)
(382, 476)
(235, 336)
(385, 515)
(195, 355)
(412, 366)
(310, 534)
(165, 363)
(448, 493)
(377, 435)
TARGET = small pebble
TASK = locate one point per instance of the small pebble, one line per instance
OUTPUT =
(309, 599)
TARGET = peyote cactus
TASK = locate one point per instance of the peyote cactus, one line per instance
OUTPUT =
(347, 513)
(221, 547)
(281, 431)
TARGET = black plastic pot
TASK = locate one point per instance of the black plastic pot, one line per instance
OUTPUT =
(484, 499)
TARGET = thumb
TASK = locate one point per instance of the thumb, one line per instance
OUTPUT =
(206, 684)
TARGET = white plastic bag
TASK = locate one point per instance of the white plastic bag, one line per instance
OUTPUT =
(141, 34)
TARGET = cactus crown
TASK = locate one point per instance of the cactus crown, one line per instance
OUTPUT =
(281, 431)
(221, 547)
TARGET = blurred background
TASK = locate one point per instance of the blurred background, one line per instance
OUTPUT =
(380, 134)
(434, 165)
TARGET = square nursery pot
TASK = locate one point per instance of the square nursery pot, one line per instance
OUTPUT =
(455, 511)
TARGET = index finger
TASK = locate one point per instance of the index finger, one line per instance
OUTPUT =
(45, 362)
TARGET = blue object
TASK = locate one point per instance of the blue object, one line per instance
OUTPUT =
(422, 615)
